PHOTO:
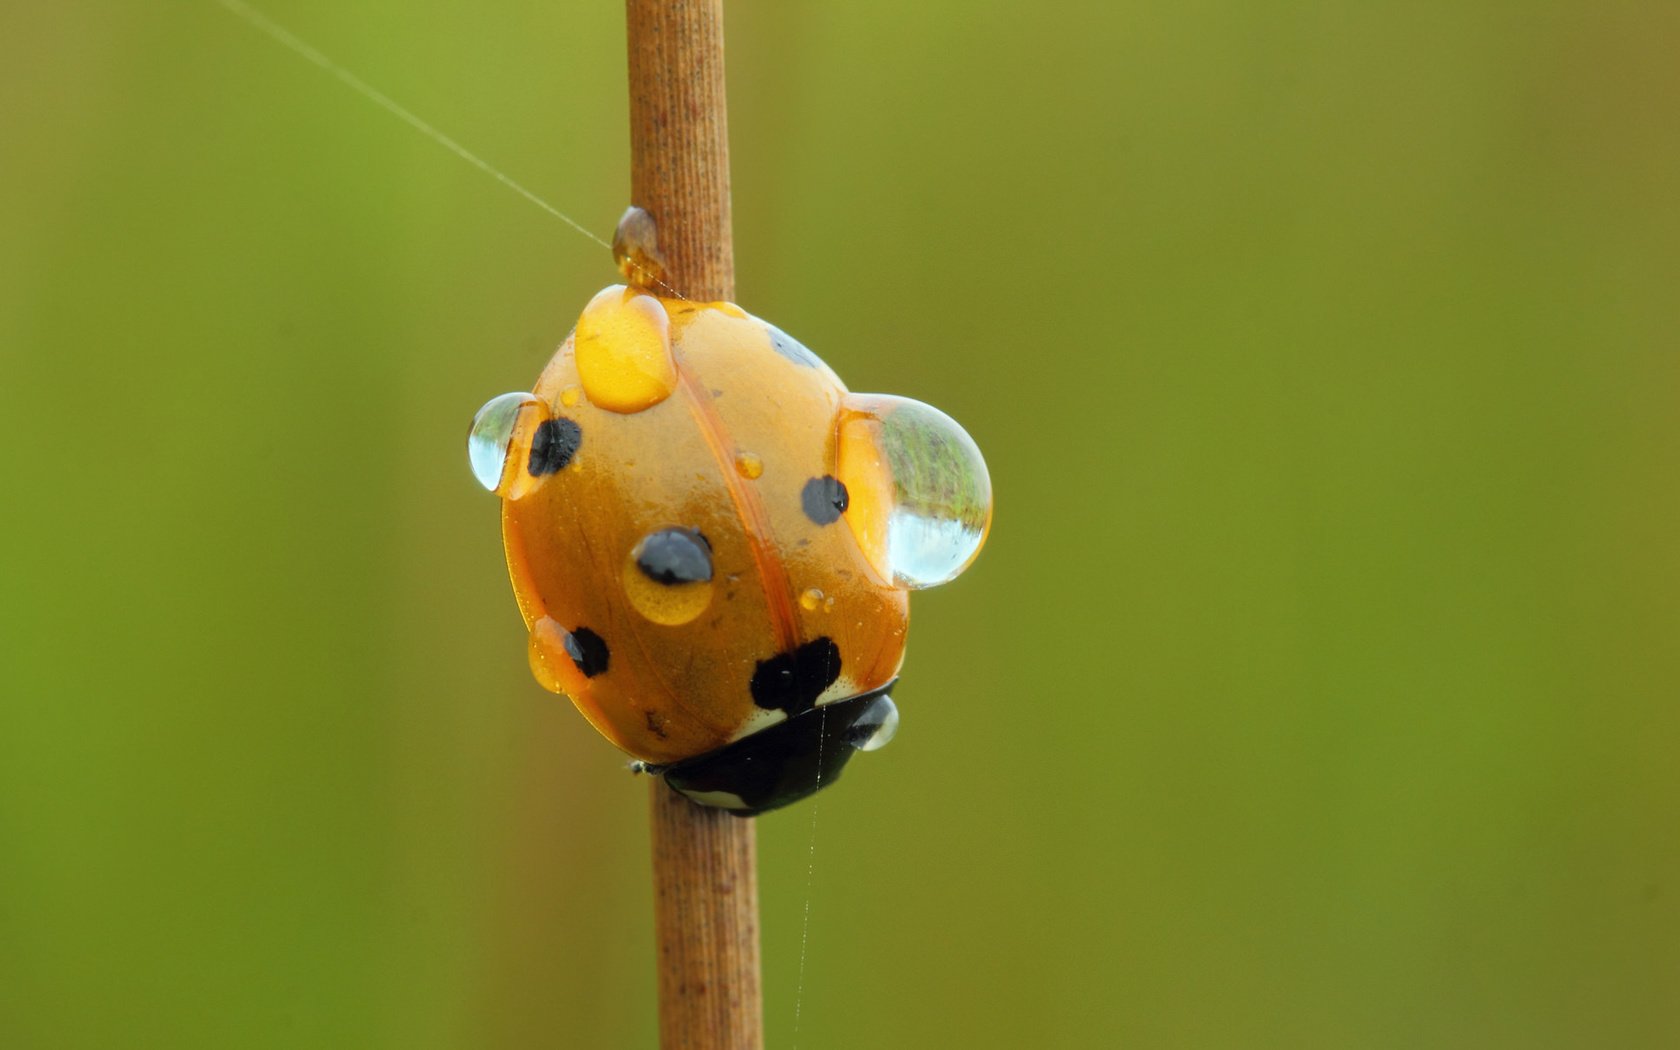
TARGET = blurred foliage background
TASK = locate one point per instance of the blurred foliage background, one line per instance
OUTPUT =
(1317, 688)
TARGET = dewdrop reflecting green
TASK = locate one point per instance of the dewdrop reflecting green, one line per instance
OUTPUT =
(492, 431)
(920, 497)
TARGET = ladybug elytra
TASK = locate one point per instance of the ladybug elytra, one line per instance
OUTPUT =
(711, 541)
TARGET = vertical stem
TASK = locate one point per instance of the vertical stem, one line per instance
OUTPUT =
(679, 140)
(704, 861)
(705, 884)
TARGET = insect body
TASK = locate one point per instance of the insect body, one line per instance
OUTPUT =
(711, 541)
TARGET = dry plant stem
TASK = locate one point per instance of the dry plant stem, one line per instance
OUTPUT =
(679, 140)
(704, 861)
(705, 886)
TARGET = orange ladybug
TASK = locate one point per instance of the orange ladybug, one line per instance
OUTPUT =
(711, 541)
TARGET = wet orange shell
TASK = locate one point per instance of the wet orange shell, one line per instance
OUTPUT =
(689, 416)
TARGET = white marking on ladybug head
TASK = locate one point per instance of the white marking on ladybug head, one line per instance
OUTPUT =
(719, 799)
(761, 719)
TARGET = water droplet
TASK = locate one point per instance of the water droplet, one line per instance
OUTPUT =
(811, 599)
(749, 465)
(623, 351)
(493, 452)
(571, 396)
(828, 604)
(635, 248)
(551, 665)
(883, 731)
(920, 499)
(668, 576)
(792, 349)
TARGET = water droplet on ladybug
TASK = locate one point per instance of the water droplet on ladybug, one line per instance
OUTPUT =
(550, 665)
(811, 599)
(668, 576)
(623, 351)
(748, 465)
(571, 396)
(499, 437)
(919, 496)
(635, 248)
(883, 731)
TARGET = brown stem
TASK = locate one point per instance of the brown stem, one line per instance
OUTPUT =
(705, 884)
(679, 140)
(704, 864)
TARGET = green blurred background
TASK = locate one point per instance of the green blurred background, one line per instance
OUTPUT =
(1317, 688)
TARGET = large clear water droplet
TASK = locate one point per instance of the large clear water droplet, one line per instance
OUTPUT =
(877, 731)
(920, 499)
(492, 433)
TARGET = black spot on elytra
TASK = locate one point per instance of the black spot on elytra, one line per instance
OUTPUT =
(588, 650)
(554, 444)
(824, 499)
(792, 349)
(673, 556)
(793, 680)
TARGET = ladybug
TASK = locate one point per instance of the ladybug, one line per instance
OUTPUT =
(712, 541)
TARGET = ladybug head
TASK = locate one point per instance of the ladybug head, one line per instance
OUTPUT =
(788, 761)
